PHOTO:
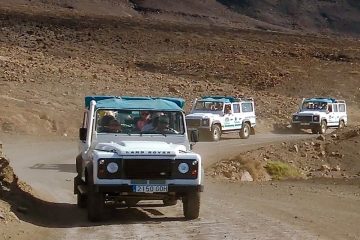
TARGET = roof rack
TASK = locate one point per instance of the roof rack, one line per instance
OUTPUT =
(325, 99)
(236, 98)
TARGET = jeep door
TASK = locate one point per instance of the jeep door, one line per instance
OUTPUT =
(237, 116)
(247, 112)
(342, 112)
(333, 114)
(228, 117)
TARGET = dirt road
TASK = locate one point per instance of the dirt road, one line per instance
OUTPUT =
(278, 210)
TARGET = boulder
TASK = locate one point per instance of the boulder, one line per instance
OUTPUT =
(246, 177)
(321, 137)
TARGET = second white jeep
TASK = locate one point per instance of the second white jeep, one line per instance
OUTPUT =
(318, 114)
(212, 116)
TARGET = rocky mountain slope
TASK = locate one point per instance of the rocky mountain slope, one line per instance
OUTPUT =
(316, 16)
(49, 63)
(330, 156)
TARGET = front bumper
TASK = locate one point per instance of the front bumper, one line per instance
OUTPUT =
(129, 189)
(302, 125)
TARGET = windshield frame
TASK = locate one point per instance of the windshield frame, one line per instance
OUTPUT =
(209, 106)
(314, 106)
(128, 125)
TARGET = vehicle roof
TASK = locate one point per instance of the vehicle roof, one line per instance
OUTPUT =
(321, 99)
(226, 99)
(138, 103)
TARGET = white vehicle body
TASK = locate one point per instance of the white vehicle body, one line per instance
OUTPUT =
(130, 165)
(318, 114)
(215, 115)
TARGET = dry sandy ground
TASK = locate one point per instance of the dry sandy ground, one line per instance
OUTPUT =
(270, 210)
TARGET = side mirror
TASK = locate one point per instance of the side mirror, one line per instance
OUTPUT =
(194, 136)
(82, 134)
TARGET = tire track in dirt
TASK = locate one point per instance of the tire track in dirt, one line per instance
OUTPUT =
(221, 218)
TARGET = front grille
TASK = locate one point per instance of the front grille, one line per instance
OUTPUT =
(193, 122)
(305, 119)
(147, 168)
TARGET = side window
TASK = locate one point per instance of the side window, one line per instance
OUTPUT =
(330, 108)
(236, 108)
(246, 107)
(335, 108)
(342, 108)
(228, 109)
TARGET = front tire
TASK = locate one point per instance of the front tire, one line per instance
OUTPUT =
(95, 201)
(295, 129)
(215, 134)
(323, 127)
(245, 131)
(191, 205)
(315, 130)
(81, 200)
(341, 124)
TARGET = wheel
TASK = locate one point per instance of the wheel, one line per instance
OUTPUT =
(191, 205)
(315, 130)
(215, 133)
(170, 202)
(95, 201)
(341, 124)
(79, 164)
(295, 129)
(323, 127)
(245, 131)
(81, 200)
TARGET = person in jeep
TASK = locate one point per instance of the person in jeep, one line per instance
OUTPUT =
(163, 126)
(109, 124)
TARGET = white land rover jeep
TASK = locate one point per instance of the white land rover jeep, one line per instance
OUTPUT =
(318, 114)
(214, 115)
(136, 148)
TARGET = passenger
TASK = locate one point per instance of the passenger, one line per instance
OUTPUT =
(152, 123)
(218, 106)
(144, 119)
(323, 106)
(227, 109)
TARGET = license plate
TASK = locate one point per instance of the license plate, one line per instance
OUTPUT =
(305, 124)
(150, 188)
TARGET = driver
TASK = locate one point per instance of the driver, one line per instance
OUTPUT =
(163, 124)
(110, 125)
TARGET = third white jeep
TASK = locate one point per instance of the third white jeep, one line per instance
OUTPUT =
(214, 115)
(318, 114)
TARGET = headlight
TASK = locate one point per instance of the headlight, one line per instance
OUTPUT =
(112, 167)
(205, 122)
(183, 168)
(315, 118)
(296, 117)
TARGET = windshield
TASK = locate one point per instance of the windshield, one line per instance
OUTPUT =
(314, 106)
(208, 106)
(139, 122)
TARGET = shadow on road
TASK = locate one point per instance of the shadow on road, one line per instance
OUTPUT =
(31, 209)
(69, 168)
